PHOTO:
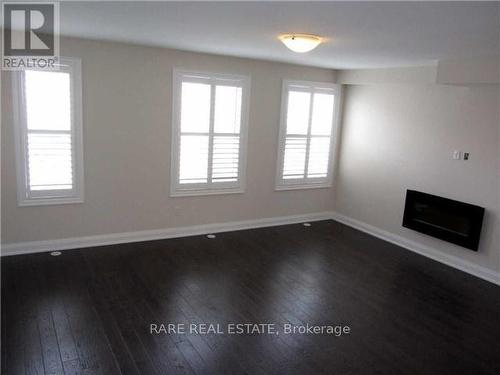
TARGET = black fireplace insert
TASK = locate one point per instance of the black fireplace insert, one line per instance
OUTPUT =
(453, 221)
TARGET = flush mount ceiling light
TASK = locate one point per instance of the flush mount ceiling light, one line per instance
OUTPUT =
(300, 42)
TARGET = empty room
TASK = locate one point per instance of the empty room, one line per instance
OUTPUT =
(259, 187)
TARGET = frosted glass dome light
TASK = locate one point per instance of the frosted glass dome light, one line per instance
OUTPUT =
(300, 43)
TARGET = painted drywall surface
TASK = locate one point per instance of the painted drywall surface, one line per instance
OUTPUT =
(399, 136)
(485, 69)
(127, 102)
(419, 74)
(470, 71)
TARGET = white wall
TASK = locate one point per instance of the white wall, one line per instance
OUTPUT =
(401, 136)
(127, 122)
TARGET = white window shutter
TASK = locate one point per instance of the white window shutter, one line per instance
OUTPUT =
(48, 134)
(225, 159)
(307, 131)
(50, 161)
(210, 119)
(295, 157)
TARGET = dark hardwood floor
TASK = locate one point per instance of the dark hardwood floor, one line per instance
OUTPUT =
(89, 311)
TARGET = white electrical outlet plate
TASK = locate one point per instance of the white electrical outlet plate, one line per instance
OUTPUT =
(457, 155)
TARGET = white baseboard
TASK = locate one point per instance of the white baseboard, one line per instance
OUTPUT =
(450, 260)
(155, 234)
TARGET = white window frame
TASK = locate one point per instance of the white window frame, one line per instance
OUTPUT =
(25, 197)
(209, 188)
(307, 183)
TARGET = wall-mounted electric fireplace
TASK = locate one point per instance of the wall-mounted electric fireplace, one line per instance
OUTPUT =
(453, 221)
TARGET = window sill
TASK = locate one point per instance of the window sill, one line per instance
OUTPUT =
(48, 201)
(302, 187)
(194, 193)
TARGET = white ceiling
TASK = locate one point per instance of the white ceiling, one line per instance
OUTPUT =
(360, 35)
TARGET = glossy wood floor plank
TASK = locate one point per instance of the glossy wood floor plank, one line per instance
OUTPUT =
(89, 311)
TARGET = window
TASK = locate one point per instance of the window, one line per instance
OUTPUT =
(308, 133)
(210, 113)
(48, 131)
